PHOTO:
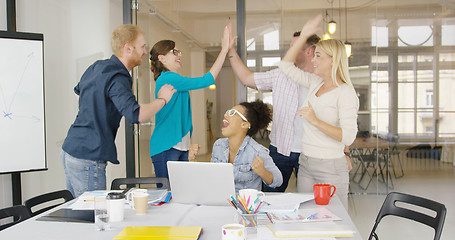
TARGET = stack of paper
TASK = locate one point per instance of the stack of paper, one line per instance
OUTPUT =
(155, 232)
(287, 202)
(303, 215)
(300, 230)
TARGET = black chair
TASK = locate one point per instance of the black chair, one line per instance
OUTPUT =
(64, 195)
(390, 208)
(161, 182)
(18, 212)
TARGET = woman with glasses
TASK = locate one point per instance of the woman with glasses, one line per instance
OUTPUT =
(329, 112)
(251, 160)
(170, 140)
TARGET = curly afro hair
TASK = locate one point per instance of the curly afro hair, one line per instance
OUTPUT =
(258, 114)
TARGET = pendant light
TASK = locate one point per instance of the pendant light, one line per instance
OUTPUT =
(332, 24)
(347, 44)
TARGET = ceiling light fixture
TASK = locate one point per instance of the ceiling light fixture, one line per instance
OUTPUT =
(347, 44)
(332, 24)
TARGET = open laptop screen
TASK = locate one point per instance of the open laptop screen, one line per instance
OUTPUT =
(201, 182)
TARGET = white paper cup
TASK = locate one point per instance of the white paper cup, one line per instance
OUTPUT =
(233, 231)
(140, 202)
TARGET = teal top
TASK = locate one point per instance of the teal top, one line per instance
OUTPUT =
(174, 120)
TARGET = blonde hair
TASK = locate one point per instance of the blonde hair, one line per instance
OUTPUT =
(335, 48)
(124, 34)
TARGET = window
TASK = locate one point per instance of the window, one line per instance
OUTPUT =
(429, 97)
(250, 44)
(379, 36)
(272, 40)
(447, 39)
(251, 63)
(270, 61)
(415, 36)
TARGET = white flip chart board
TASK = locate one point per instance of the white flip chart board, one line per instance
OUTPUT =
(22, 121)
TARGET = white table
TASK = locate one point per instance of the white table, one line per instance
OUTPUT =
(211, 218)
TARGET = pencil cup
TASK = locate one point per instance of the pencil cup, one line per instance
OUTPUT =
(250, 221)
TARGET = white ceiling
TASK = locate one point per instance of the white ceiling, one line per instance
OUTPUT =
(203, 20)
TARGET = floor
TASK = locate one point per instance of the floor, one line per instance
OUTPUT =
(427, 178)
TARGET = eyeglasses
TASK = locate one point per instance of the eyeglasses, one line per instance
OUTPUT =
(232, 112)
(176, 52)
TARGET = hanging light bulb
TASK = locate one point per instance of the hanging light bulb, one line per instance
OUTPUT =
(326, 36)
(212, 87)
(332, 27)
(348, 48)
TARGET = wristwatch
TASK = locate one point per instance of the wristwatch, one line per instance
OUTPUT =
(347, 154)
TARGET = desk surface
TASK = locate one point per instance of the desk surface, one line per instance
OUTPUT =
(211, 218)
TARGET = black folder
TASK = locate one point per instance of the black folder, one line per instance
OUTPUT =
(69, 215)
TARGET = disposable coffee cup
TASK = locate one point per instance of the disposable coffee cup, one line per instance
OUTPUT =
(140, 202)
(116, 206)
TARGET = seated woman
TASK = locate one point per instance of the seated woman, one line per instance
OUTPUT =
(251, 160)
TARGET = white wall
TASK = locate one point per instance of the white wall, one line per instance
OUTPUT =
(75, 32)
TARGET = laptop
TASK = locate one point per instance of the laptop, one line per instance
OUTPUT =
(201, 182)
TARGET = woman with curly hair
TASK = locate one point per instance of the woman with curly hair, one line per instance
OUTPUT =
(251, 160)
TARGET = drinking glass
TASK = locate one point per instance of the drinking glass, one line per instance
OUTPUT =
(101, 213)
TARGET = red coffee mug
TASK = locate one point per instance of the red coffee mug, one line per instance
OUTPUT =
(323, 193)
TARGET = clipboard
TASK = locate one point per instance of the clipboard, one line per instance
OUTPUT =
(69, 215)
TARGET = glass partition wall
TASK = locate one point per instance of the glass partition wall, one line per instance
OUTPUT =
(402, 66)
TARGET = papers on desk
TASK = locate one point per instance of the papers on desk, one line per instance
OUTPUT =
(286, 202)
(154, 232)
(303, 215)
(85, 201)
(300, 230)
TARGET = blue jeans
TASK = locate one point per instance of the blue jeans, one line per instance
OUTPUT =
(83, 175)
(160, 161)
(286, 165)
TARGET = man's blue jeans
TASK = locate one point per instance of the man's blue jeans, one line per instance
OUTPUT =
(160, 161)
(286, 165)
(83, 175)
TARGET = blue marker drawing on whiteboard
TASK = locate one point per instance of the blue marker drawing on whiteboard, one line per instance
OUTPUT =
(8, 106)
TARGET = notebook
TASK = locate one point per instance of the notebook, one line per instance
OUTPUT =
(303, 230)
(162, 232)
(69, 215)
(201, 182)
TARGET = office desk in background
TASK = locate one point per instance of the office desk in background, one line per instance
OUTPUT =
(211, 218)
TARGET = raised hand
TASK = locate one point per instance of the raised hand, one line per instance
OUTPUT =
(311, 26)
(166, 92)
(258, 165)
(225, 40)
(194, 149)
(232, 38)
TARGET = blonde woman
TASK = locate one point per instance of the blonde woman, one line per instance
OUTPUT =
(329, 112)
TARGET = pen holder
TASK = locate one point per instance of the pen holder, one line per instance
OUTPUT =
(250, 221)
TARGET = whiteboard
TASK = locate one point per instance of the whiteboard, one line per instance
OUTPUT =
(22, 122)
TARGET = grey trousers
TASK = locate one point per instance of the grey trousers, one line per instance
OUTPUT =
(331, 171)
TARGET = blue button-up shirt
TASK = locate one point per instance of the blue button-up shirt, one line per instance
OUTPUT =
(244, 176)
(105, 96)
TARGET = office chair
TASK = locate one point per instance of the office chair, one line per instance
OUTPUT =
(19, 212)
(41, 199)
(390, 208)
(161, 182)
